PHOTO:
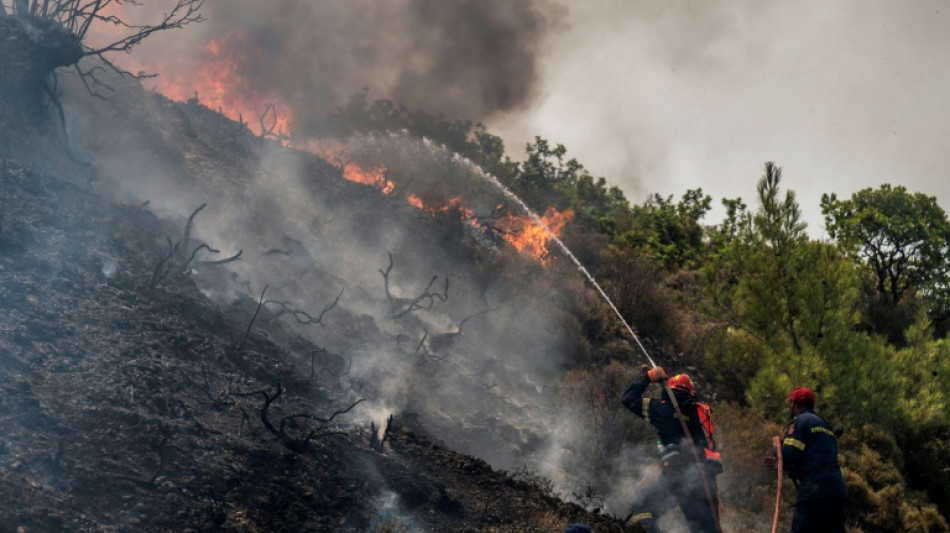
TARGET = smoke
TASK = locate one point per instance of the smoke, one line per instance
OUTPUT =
(469, 59)
(660, 97)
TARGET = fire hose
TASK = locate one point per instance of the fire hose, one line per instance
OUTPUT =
(778, 494)
(700, 461)
(713, 508)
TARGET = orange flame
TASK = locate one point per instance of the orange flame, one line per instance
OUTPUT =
(217, 82)
(523, 232)
(336, 155)
(529, 237)
(415, 201)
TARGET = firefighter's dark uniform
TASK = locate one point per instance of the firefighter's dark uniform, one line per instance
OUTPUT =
(810, 456)
(681, 481)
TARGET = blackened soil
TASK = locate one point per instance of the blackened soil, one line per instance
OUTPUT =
(128, 402)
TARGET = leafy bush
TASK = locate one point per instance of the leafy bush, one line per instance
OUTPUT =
(880, 501)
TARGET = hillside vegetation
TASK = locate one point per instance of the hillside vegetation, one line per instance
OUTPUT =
(758, 307)
(207, 329)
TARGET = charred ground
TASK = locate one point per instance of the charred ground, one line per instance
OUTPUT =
(132, 402)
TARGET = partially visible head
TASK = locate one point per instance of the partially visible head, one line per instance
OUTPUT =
(801, 398)
(682, 384)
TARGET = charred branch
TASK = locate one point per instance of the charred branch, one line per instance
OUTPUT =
(421, 347)
(171, 261)
(235, 257)
(164, 264)
(58, 30)
(302, 317)
(443, 341)
(589, 498)
(385, 274)
(426, 300)
(269, 121)
(321, 427)
(247, 333)
(79, 16)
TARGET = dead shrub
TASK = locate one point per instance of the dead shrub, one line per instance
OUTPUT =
(635, 284)
(595, 394)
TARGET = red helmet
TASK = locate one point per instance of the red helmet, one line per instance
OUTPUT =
(682, 383)
(802, 396)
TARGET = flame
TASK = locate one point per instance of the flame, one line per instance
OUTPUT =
(531, 238)
(523, 232)
(336, 155)
(415, 201)
(216, 81)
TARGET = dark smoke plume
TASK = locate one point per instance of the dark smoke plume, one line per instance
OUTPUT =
(466, 59)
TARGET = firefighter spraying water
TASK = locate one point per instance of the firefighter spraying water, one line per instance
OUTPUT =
(697, 470)
(685, 482)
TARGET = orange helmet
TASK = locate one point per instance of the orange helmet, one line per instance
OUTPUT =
(682, 383)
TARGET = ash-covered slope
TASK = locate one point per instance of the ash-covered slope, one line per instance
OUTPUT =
(144, 387)
(131, 405)
(428, 314)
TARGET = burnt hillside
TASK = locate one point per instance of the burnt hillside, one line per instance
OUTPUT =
(133, 407)
(147, 388)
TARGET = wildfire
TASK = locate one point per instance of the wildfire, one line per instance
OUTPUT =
(336, 155)
(441, 207)
(531, 238)
(217, 82)
(415, 201)
(523, 232)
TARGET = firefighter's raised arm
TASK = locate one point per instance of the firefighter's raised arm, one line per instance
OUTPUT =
(633, 397)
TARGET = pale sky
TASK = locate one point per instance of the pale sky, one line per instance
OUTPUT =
(667, 96)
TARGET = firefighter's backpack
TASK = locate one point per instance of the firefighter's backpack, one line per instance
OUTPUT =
(713, 459)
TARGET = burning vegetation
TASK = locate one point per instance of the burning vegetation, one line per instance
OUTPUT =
(380, 308)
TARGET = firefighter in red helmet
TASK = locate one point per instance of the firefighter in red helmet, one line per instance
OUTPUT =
(682, 480)
(810, 456)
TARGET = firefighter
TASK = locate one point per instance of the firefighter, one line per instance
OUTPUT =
(683, 480)
(810, 456)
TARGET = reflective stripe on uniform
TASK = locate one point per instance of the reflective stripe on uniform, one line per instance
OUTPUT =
(795, 443)
(640, 516)
(819, 429)
(646, 405)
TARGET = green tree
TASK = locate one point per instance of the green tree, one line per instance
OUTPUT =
(904, 240)
(782, 301)
(548, 178)
(669, 232)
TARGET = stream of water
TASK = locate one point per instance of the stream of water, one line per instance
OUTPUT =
(477, 170)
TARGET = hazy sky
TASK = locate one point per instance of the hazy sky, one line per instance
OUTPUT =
(666, 96)
(655, 95)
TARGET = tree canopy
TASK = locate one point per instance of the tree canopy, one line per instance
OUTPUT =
(903, 238)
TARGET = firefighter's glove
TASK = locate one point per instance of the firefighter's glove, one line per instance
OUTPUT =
(655, 374)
